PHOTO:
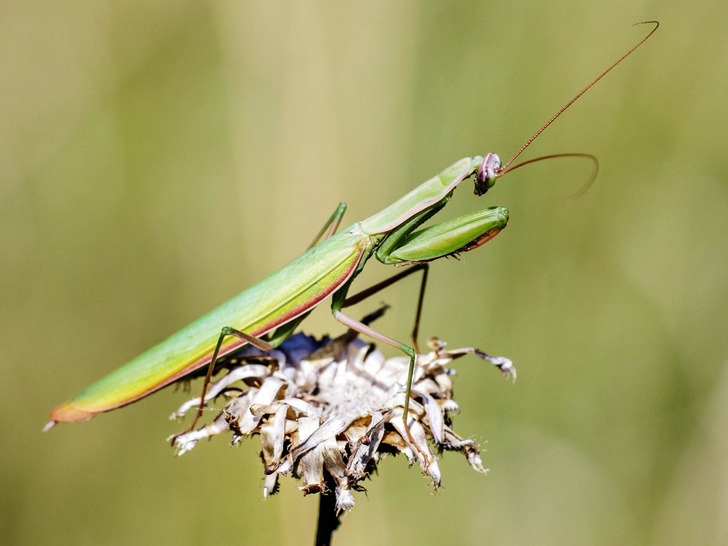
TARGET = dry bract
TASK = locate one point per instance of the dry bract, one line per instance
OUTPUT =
(335, 407)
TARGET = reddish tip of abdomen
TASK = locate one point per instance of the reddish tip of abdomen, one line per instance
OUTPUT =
(67, 413)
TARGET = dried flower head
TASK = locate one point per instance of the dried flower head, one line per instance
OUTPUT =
(335, 407)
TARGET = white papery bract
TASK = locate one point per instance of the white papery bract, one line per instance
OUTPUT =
(333, 408)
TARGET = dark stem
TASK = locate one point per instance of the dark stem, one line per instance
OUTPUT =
(328, 520)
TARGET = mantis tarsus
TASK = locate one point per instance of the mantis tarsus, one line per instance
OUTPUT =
(274, 307)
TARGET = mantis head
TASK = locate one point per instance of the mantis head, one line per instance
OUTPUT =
(488, 173)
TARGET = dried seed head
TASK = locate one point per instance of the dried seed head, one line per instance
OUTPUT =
(335, 407)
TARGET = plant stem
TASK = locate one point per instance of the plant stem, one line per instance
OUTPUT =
(328, 520)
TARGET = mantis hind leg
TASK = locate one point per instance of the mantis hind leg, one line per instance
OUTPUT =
(225, 332)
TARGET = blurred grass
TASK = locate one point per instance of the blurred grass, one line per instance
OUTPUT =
(157, 159)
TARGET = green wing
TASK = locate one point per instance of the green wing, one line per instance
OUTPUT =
(276, 300)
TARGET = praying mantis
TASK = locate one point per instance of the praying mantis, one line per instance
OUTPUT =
(267, 313)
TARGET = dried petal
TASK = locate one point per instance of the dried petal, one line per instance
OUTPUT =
(272, 436)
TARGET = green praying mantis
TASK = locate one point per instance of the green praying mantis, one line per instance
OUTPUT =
(267, 313)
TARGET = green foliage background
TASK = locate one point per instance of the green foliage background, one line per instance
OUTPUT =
(157, 158)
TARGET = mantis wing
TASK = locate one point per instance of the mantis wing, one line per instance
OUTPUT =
(291, 291)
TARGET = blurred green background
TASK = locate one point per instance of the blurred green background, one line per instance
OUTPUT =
(158, 158)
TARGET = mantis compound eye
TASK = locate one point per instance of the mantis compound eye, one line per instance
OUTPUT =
(487, 174)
